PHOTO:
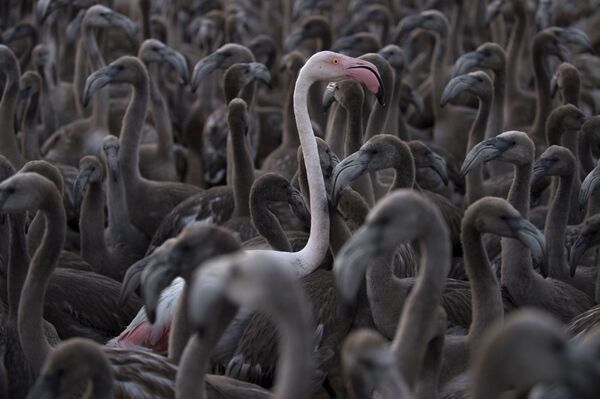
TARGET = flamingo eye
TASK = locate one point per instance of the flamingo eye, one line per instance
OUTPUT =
(335, 61)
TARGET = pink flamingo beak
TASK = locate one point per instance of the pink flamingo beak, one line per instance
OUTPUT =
(366, 73)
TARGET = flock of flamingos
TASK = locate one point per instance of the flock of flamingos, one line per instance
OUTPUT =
(300, 199)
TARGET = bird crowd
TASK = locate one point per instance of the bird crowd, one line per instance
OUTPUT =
(293, 199)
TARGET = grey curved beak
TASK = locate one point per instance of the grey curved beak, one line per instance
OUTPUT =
(588, 186)
(533, 239)
(178, 62)
(74, 28)
(127, 25)
(350, 265)
(298, 8)
(132, 278)
(79, 186)
(329, 96)
(539, 170)
(298, 205)
(205, 33)
(395, 58)
(156, 276)
(563, 53)
(579, 247)
(406, 26)
(454, 88)
(493, 10)
(43, 9)
(575, 37)
(438, 165)
(483, 152)
(345, 172)
(204, 67)
(261, 72)
(95, 82)
(9, 35)
(466, 63)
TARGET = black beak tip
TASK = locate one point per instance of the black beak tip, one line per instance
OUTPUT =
(588, 48)
(543, 268)
(572, 271)
(151, 313)
(381, 96)
(85, 100)
(445, 99)
(573, 260)
(185, 79)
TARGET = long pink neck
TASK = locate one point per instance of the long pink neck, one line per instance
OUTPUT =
(318, 242)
